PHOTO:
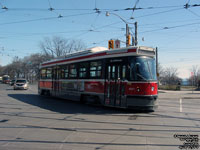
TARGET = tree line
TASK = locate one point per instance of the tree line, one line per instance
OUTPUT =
(168, 75)
(51, 47)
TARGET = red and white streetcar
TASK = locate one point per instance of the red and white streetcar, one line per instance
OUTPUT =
(124, 77)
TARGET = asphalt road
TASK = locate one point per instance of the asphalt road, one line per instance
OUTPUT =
(28, 121)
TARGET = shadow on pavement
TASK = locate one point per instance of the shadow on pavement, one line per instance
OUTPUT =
(66, 106)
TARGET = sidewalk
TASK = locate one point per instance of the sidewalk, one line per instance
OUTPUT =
(181, 94)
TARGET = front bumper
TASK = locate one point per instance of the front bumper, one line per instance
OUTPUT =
(142, 102)
(20, 87)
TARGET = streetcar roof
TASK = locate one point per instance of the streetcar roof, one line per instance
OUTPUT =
(99, 53)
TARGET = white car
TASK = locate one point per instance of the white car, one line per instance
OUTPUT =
(21, 84)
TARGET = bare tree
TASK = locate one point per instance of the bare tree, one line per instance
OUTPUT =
(27, 67)
(169, 75)
(195, 77)
(33, 62)
(15, 68)
(59, 46)
(1, 70)
(160, 71)
(75, 45)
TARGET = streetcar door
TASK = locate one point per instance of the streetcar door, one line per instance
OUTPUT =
(55, 81)
(113, 84)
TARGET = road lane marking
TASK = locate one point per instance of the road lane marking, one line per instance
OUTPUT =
(65, 140)
(15, 137)
(181, 108)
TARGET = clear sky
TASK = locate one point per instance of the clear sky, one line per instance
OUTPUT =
(163, 24)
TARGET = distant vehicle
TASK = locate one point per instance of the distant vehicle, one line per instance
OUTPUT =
(6, 79)
(124, 77)
(12, 82)
(0, 79)
(21, 84)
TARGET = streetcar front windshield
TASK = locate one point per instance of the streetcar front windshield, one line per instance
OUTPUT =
(6, 78)
(142, 68)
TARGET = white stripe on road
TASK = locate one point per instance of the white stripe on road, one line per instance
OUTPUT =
(181, 108)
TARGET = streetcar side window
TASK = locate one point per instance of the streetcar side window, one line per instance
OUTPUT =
(109, 70)
(83, 69)
(123, 72)
(62, 75)
(43, 74)
(113, 72)
(49, 73)
(64, 72)
(72, 71)
(96, 69)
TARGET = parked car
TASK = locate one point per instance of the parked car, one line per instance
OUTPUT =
(12, 82)
(21, 84)
(0, 79)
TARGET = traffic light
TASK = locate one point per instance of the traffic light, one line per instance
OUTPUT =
(111, 44)
(128, 40)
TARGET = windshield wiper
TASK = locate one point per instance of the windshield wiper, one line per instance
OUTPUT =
(142, 77)
(149, 70)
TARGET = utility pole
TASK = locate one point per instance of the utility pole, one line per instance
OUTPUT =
(133, 40)
(127, 36)
(157, 62)
(136, 41)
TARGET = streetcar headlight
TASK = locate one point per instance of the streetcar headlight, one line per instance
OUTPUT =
(152, 88)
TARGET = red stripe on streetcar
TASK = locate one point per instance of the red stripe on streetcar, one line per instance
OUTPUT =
(45, 84)
(94, 86)
(131, 50)
(141, 89)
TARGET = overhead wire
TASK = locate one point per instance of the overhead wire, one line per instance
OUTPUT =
(137, 1)
(44, 33)
(49, 18)
(92, 26)
(50, 7)
(183, 25)
(95, 43)
(88, 9)
(53, 10)
(177, 21)
(3, 7)
(3, 11)
(193, 13)
(141, 17)
(133, 9)
(157, 13)
(172, 27)
(42, 19)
